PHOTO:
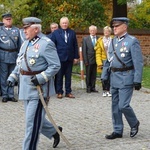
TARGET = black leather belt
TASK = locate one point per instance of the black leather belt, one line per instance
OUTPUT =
(9, 50)
(122, 69)
(29, 73)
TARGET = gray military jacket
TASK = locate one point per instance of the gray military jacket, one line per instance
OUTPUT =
(10, 44)
(129, 52)
(41, 55)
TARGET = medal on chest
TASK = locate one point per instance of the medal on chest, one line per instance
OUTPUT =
(32, 61)
(36, 48)
(123, 49)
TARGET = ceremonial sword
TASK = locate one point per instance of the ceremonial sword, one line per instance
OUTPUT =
(50, 117)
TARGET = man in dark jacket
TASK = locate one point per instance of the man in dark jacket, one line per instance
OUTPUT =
(67, 49)
(89, 58)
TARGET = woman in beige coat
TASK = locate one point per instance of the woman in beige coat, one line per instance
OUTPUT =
(101, 49)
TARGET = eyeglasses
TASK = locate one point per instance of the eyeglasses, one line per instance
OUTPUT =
(8, 19)
(115, 26)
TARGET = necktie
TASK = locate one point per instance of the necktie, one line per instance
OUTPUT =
(93, 40)
(66, 37)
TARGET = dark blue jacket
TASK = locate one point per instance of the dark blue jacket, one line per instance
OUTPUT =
(66, 51)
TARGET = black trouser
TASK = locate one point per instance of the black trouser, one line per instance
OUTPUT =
(106, 87)
(91, 71)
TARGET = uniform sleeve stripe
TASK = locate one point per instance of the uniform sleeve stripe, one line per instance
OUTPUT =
(44, 75)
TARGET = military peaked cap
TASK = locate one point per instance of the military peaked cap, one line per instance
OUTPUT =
(6, 15)
(119, 20)
(27, 22)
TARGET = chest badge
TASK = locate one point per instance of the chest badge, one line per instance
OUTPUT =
(16, 37)
(32, 61)
(121, 49)
(123, 55)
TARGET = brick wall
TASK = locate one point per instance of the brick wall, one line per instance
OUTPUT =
(142, 35)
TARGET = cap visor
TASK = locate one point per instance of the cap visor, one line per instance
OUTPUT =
(26, 25)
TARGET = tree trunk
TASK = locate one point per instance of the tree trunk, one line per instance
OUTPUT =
(119, 10)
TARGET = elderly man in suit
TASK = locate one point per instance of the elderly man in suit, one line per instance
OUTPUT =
(67, 49)
(90, 59)
(37, 63)
(125, 63)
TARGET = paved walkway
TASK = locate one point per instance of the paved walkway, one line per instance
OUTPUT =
(85, 121)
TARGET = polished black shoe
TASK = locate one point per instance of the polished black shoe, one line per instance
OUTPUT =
(0, 93)
(88, 90)
(94, 90)
(134, 130)
(114, 135)
(4, 100)
(57, 138)
(13, 99)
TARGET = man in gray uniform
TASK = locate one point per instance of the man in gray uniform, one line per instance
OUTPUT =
(1, 24)
(9, 47)
(22, 35)
(126, 65)
(37, 63)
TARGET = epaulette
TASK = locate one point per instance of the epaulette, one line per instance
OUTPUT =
(131, 37)
(46, 38)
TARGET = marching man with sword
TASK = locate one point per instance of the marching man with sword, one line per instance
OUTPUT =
(37, 64)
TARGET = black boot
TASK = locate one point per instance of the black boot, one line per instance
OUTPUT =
(4, 100)
(113, 136)
(134, 130)
(56, 138)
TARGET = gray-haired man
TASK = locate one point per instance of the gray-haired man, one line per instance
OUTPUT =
(37, 64)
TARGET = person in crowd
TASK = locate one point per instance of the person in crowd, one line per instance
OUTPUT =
(10, 43)
(1, 24)
(53, 27)
(67, 49)
(89, 59)
(125, 67)
(22, 35)
(101, 49)
(37, 63)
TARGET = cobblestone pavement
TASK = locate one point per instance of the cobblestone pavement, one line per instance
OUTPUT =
(85, 121)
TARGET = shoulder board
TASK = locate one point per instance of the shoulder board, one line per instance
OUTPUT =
(13, 27)
(46, 38)
(131, 37)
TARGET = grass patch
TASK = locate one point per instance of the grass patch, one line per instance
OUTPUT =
(145, 79)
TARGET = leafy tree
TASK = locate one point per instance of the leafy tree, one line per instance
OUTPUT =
(119, 9)
(81, 13)
(19, 9)
(108, 6)
(92, 13)
(140, 15)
